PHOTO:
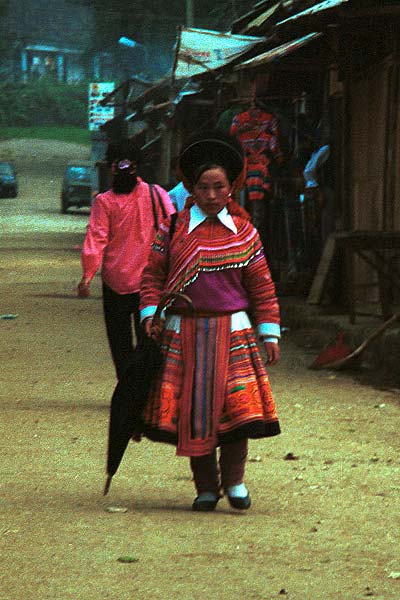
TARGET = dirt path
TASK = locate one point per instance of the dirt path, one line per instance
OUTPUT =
(324, 526)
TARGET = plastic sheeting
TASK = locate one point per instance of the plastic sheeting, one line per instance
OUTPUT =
(314, 10)
(278, 52)
(202, 50)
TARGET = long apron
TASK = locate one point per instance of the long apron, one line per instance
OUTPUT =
(213, 387)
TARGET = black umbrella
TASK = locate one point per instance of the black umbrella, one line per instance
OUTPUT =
(131, 392)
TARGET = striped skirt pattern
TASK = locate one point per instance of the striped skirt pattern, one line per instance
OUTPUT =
(213, 387)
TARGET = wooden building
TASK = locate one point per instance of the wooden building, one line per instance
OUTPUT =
(330, 71)
(363, 88)
(349, 73)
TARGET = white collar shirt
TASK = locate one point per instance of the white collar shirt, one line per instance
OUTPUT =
(197, 216)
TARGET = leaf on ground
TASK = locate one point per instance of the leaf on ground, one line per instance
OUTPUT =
(394, 575)
(128, 559)
(255, 459)
(116, 509)
(291, 456)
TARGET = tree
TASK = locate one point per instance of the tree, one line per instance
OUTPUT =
(153, 23)
(147, 20)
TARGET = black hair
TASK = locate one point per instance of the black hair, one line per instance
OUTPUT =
(212, 165)
(124, 148)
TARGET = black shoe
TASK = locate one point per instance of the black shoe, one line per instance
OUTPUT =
(241, 503)
(204, 505)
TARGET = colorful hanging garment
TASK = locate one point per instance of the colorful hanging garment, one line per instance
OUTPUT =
(258, 132)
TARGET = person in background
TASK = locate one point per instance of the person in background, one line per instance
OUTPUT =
(178, 193)
(122, 225)
(213, 390)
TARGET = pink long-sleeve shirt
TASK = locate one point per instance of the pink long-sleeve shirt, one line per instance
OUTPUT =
(119, 236)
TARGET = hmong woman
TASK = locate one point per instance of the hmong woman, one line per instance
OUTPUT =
(213, 390)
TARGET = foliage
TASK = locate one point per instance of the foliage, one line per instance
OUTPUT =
(149, 21)
(43, 102)
(77, 135)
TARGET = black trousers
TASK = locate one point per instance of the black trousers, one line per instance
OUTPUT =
(118, 312)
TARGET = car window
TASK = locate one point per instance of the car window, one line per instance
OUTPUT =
(6, 169)
(80, 173)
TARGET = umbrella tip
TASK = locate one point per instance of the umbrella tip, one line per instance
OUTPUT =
(107, 485)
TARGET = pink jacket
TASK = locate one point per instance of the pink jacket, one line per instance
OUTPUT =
(119, 236)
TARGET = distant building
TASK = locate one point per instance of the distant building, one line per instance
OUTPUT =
(52, 39)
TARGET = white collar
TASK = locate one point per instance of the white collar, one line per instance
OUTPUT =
(197, 216)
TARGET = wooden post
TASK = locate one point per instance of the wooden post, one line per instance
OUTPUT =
(391, 133)
(165, 159)
(346, 154)
(189, 13)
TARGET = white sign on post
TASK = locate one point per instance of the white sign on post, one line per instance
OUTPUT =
(98, 115)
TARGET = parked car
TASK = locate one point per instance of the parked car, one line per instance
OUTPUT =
(77, 185)
(8, 180)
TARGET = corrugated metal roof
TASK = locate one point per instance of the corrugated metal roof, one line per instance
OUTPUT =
(258, 21)
(239, 24)
(314, 9)
(278, 52)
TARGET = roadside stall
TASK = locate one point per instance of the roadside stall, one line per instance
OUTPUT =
(363, 91)
(186, 99)
(288, 92)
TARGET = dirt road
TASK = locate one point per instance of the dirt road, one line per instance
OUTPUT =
(323, 526)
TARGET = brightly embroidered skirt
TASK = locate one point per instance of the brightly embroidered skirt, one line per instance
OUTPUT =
(213, 387)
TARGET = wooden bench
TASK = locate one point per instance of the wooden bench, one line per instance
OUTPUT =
(372, 247)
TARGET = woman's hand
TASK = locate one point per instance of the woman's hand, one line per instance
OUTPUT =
(152, 330)
(272, 352)
(83, 289)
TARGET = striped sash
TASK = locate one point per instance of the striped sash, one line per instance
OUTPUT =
(205, 352)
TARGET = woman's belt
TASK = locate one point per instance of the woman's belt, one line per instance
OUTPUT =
(187, 312)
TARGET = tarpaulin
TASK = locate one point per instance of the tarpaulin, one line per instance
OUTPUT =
(314, 10)
(202, 50)
(278, 51)
(260, 20)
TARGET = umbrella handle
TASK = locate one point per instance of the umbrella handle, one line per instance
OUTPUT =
(167, 299)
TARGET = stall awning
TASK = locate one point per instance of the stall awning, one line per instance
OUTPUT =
(278, 52)
(126, 88)
(156, 139)
(327, 4)
(200, 50)
(261, 19)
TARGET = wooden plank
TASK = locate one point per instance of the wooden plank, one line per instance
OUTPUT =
(318, 284)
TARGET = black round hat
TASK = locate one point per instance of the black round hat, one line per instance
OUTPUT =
(211, 146)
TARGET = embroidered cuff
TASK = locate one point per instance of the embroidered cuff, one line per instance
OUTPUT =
(149, 311)
(270, 338)
(269, 330)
